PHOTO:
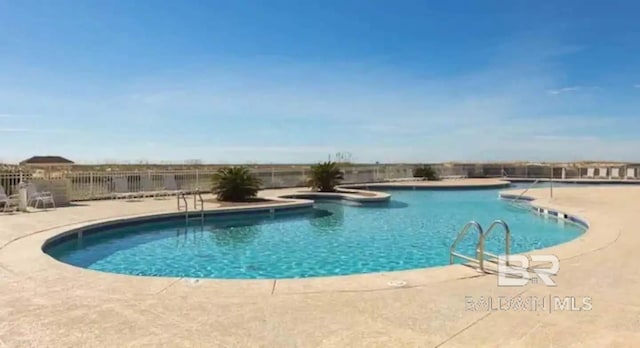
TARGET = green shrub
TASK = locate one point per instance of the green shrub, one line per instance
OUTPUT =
(324, 177)
(425, 172)
(235, 184)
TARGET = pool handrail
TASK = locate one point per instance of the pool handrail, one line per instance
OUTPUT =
(507, 238)
(463, 232)
(480, 252)
(197, 197)
(519, 197)
(181, 196)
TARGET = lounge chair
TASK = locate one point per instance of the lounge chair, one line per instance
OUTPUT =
(590, 173)
(631, 173)
(121, 189)
(39, 198)
(602, 173)
(615, 173)
(148, 190)
(8, 202)
(171, 186)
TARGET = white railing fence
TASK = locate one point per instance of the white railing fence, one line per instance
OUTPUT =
(78, 186)
(88, 185)
(10, 180)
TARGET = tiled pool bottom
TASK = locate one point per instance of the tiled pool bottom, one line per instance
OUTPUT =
(414, 230)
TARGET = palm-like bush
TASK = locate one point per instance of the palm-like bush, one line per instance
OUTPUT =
(425, 172)
(324, 177)
(235, 184)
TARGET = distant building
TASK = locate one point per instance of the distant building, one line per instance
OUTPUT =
(47, 161)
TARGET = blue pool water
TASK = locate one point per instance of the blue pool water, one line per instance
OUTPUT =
(414, 230)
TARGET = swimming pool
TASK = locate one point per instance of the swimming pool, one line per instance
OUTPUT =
(413, 230)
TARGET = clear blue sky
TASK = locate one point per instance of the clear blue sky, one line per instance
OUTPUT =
(292, 81)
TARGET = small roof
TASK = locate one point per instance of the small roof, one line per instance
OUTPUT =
(47, 160)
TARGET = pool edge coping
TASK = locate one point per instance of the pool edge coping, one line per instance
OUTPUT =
(365, 281)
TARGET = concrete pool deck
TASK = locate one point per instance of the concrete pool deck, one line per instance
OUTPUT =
(47, 303)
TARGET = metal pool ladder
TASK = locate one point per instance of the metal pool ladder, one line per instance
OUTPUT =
(183, 204)
(481, 255)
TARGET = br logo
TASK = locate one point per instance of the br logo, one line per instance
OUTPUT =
(519, 272)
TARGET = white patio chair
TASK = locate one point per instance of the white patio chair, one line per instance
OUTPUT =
(39, 198)
(590, 173)
(602, 173)
(615, 173)
(631, 173)
(148, 190)
(171, 186)
(121, 189)
(8, 203)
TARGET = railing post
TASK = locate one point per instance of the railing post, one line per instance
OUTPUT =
(551, 183)
(22, 196)
(197, 179)
(91, 185)
(480, 252)
(273, 177)
(507, 242)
